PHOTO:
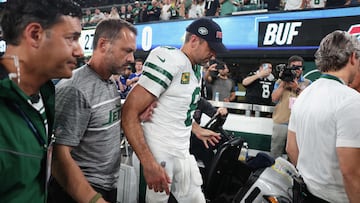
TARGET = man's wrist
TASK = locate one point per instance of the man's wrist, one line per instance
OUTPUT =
(95, 198)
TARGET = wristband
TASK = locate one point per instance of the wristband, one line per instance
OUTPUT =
(96, 197)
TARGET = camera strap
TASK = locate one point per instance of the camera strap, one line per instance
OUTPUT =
(331, 77)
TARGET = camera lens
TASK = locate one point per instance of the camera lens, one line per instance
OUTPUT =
(220, 66)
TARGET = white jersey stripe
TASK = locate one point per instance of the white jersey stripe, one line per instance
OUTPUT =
(105, 102)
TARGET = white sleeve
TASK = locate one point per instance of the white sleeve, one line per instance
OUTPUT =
(160, 68)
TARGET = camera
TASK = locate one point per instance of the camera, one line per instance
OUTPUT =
(287, 73)
(219, 66)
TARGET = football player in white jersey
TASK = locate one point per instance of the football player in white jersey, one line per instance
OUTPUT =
(172, 78)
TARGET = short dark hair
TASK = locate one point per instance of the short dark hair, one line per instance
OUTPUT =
(139, 60)
(17, 14)
(263, 61)
(109, 28)
(295, 58)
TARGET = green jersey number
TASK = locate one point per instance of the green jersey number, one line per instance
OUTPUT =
(193, 105)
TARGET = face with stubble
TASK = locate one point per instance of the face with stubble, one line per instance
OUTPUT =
(121, 52)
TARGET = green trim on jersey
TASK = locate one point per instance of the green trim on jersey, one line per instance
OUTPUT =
(197, 72)
(156, 79)
(160, 70)
(192, 106)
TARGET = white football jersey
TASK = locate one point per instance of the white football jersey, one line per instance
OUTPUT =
(169, 75)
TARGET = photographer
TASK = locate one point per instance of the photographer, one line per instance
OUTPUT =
(222, 86)
(286, 90)
(259, 85)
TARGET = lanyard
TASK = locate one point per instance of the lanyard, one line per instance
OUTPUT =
(39, 138)
(331, 77)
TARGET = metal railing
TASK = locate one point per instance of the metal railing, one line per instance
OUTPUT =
(244, 106)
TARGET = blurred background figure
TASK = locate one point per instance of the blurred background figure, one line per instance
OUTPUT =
(221, 84)
(86, 19)
(134, 77)
(259, 85)
(97, 17)
(114, 14)
(287, 88)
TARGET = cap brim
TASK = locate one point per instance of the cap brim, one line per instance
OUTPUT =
(218, 47)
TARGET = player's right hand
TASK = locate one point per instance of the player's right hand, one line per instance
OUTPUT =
(156, 178)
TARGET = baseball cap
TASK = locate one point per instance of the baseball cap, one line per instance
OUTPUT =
(136, 2)
(208, 30)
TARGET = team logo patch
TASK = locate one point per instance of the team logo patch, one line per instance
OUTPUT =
(185, 78)
(203, 31)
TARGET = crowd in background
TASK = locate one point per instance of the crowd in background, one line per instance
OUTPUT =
(155, 10)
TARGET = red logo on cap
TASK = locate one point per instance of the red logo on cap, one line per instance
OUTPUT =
(219, 34)
(354, 29)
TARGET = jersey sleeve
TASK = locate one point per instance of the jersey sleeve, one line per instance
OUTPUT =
(248, 75)
(160, 69)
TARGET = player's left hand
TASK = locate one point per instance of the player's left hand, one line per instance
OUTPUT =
(222, 111)
(208, 136)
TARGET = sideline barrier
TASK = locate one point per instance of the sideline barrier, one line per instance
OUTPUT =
(255, 130)
(244, 106)
(233, 105)
(262, 108)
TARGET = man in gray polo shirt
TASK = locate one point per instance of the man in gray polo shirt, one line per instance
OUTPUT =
(87, 151)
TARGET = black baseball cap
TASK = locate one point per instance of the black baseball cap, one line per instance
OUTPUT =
(208, 30)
